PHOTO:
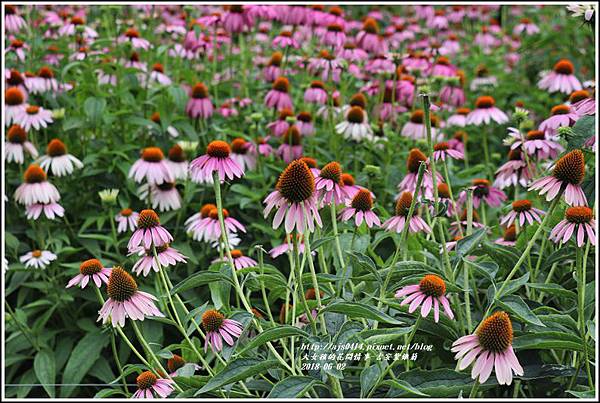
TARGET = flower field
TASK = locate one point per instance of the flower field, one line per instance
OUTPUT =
(299, 201)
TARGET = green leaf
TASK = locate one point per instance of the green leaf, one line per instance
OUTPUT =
(238, 370)
(83, 356)
(384, 336)
(45, 370)
(292, 387)
(583, 129)
(554, 289)
(274, 333)
(358, 310)
(515, 305)
(368, 378)
(439, 382)
(485, 269)
(465, 245)
(405, 386)
(547, 341)
(199, 279)
(584, 394)
(94, 108)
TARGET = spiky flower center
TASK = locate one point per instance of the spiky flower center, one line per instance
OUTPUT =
(370, 26)
(514, 155)
(570, 168)
(521, 205)
(510, 234)
(311, 162)
(76, 20)
(463, 111)
(356, 115)
(214, 213)
(32, 110)
(212, 320)
(199, 91)
(362, 200)
(432, 285)
(564, 66)
(13, 96)
(415, 157)
(560, 110)
(482, 187)
(239, 146)
(36, 253)
(335, 28)
(166, 186)
(176, 153)
(442, 60)
(443, 146)
(15, 78)
(292, 136)
(304, 117)
(146, 380)
(296, 183)
(443, 191)
(16, 43)
(34, 174)
(205, 210)
(218, 149)
(281, 84)
(45, 72)
(347, 179)
(285, 113)
(485, 102)
(121, 286)
(16, 134)
(276, 59)
(9, 9)
(152, 154)
(132, 33)
(236, 253)
(317, 84)
(460, 135)
(463, 216)
(577, 96)
(579, 215)
(403, 204)
(417, 116)
(126, 212)
(333, 172)
(324, 54)
(535, 135)
(358, 99)
(56, 148)
(495, 333)
(158, 67)
(175, 362)
(312, 294)
(90, 267)
(148, 219)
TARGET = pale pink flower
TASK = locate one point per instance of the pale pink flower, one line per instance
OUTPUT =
(428, 294)
(90, 270)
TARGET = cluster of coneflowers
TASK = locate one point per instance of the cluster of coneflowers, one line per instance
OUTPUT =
(364, 50)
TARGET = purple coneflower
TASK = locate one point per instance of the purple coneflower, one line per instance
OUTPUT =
(514, 171)
(149, 232)
(489, 347)
(485, 111)
(578, 222)
(523, 211)
(525, 26)
(429, 293)
(415, 127)
(126, 218)
(463, 223)
(239, 260)
(273, 68)
(125, 300)
(205, 225)
(237, 18)
(16, 144)
(132, 36)
(218, 329)
(561, 78)
(294, 199)
(33, 117)
(567, 175)
(243, 153)
(509, 238)
(152, 167)
(409, 183)
(483, 191)
(459, 118)
(285, 40)
(36, 189)
(57, 160)
(149, 384)
(288, 246)
(304, 123)
(368, 38)
(561, 116)
(361, 208)
(582, 103)
(356, 126)
(537, 143)
(92, 270)
(278, 97)
(177, 162)
(199, 106)
(329, 185)
(12, 20)
(37, 259)
(443, 150)
(316, 93)
(291, 145)
(398, 221)
(217, 158)
(165, 256)
(14, 104)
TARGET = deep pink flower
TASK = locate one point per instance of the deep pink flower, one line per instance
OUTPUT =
(93, 270)
(165, 256)
(523, 211)
(429, 294)
(561, 78)
(217, 159)
(578, 222)
(485, 111)
(278, 96)
(149, 232)
(218, 329)
(398, 221)
(152, 167)
(199, 106)
(483, 191)
(148, 384)
(361, 208)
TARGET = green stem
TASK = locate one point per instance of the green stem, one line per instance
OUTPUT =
(474, 389)
(582, 269)
(465, 265)
(313, 274)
